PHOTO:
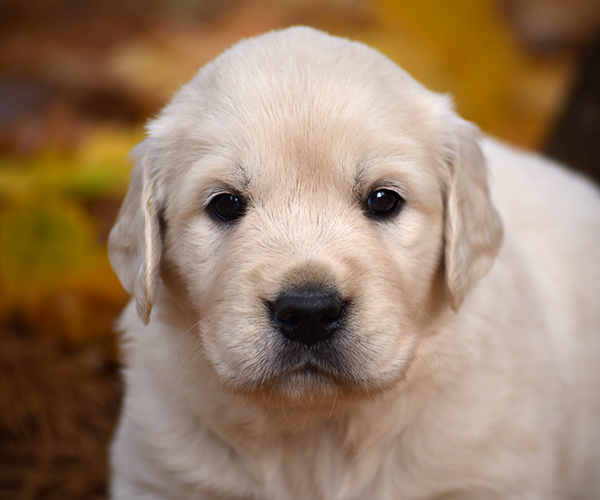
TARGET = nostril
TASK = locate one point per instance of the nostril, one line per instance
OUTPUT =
(331, 314)
(308, 316)
(288, 315)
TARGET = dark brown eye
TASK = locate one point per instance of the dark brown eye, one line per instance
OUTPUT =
(384, 203)
(226, 207)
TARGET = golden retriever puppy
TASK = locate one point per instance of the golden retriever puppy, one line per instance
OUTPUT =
(332, 302)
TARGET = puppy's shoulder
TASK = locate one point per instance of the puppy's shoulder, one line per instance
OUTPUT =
(538, 195)
(551, 217)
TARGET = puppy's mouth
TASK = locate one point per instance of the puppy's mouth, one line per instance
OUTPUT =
(314, 375)
(307, 384)
(318, 361)
(309, 377)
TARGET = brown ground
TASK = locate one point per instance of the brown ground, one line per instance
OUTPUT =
(57, 413)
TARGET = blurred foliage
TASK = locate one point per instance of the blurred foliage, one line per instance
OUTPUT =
(54, 273)
(97, 167)
(466, 48)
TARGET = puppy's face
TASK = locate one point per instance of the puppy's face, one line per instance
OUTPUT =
(308, 250)
(296, 198)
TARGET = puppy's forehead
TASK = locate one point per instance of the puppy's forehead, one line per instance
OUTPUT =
(301, 102)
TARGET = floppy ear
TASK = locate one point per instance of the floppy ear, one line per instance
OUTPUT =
(473, 229)
(134, 243)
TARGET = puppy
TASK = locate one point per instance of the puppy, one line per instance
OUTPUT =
(335, 305)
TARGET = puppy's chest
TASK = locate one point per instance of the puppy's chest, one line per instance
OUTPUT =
(318, 466)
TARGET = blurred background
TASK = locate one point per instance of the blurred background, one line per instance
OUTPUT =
(78, 79)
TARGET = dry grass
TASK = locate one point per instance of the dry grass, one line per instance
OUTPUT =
(57, 413)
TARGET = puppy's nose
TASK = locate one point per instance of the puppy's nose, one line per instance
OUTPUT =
(308, 316)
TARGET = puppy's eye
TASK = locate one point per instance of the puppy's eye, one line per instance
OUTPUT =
(227, 207)
(384, 203)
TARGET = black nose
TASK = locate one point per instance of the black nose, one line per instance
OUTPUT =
(308, 316)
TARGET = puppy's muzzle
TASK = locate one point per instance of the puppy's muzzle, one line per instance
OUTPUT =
(308, 316)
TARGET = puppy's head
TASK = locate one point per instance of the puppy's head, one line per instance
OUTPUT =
(306, 200)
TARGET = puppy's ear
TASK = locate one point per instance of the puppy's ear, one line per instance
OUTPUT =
(473, 229)
(135, 243)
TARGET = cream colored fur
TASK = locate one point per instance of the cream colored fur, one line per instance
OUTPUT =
(468, 362)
